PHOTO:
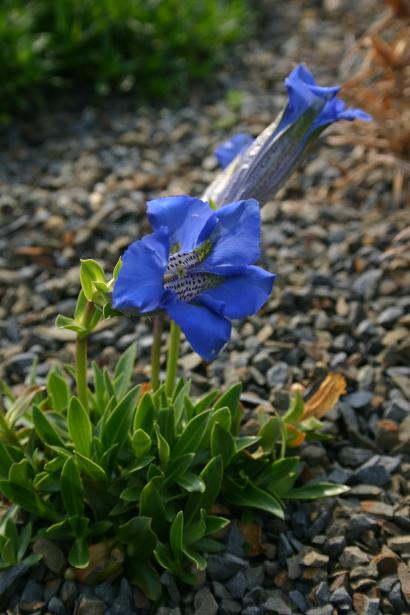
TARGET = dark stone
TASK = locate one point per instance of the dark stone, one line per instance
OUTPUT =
(68, 593)
(204, 602)
(105, 592)
(360, 399)
(168, 580)
(56, 606)
(321, 610)
(229, 607)
(334, 546)
(88, 605)
(122, 605)
(33, 592)
(353, 456)
(222, 567)
(53, 557)
(237, 585)
(276, 605)
(374, 475)
(359, 524)
(341, 597)
(299, 600)
(8, 581)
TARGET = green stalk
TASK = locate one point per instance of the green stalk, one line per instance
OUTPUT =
(173, 355)
(9, 434)
(157, 325)
(81, 356)
(81, 370)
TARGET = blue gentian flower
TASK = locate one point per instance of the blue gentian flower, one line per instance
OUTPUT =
(197, 266)
(260, 169)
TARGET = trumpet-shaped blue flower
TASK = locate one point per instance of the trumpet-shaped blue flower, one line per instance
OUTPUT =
(259, 170)
(197, 266)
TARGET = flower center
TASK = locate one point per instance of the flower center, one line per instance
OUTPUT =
(181, 275)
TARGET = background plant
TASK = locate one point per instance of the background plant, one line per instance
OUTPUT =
(155, 48)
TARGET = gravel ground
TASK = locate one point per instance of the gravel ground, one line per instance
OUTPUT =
(74, 185)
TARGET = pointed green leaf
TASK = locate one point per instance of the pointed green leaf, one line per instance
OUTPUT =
(222, 443)
(316, 490)
(79, 427)
(45, 430)
(231, 399)
(71, 488)
(90, 271)
(144, 415)
(91, 468)
(118, 424)
(295, 412)
(28, 500)
(177, 467)
(152, 505)
(124, 370)
(79, 556)
(58, 390)
(212, 477)
(270, 433)
(141, 443)
(190, 439)
(163, 447)
(176, 534)
(191, 482)
(22, 403)
(253, 497)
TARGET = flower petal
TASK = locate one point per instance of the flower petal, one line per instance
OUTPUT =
(206, 331)
(139, 286)
(184, 216)
(236, 237)
(228, 150)
(240, 295)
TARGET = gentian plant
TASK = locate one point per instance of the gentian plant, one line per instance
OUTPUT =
(128, 476)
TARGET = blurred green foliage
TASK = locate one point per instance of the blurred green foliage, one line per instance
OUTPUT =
(156, 48)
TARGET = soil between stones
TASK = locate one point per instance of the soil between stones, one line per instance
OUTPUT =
(74, 185)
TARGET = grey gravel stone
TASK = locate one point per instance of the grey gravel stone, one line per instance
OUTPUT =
(8, 579)
(222, 567)
(88, 605)
(56, 606)
(205, 603)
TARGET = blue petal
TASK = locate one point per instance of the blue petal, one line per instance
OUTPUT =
(240, 295)
(184, 216)
(236, 237)
(139, 286)
(205, 330)
(228, 150)
(304, 94)
(336, 110)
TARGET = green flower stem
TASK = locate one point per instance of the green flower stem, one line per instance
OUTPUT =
(173, 354)
(81, 356)
(157, 326)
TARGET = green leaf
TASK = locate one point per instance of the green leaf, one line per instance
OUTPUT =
(270, 433)
(79, 427)
(45, 430)
(71, 488)
(206, 401)
(81, 305)
(144, 415)
(212, 477)
(90, 271)
(222, 443)
(191, 482)
(176, 534)
(163, 447)
(164, 557)
(91, 468)
(64, 322)
(138, 537)
(118, 424)
(190, 439)
(152, 505)
(6, 460)
(124, 370)
(215, 524)
(117, 268)
(131, 494)
(295, 412)
(176, 468)
(165, 417)
(18, 473)
(146, 577)
(316, 490)
(79, 525)
(195, 531)
(281, 475)
(243, 442)
(208, 545)
(28, 500)
(24, 540)
(198, 560)
(231, 400)
(58, 390)
(22, 403)
(253, 497)
(141, 443)
(79, 556)
(43, 481)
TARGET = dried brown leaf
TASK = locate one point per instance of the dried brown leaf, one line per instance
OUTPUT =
(326, 397)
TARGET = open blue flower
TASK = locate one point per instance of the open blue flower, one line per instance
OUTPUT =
(259, 169)
(197, 266)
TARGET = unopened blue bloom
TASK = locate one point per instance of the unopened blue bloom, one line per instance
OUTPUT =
(227, 151)
(260, 169)
(197, 266)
